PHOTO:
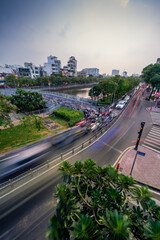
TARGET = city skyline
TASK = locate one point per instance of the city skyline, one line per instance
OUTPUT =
(103, 34)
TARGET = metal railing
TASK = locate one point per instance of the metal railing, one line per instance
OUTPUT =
(53, 161)
(20, 179)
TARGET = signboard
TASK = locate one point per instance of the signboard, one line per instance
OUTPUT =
(141, 153)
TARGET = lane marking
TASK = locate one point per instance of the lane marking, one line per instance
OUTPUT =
(155, 131)
(116, 149)
(154, 138)
(121, 136)
(9, 157)
(151, 143)
(154, 134)
(151, 148)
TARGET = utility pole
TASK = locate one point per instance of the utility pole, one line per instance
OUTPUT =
(137, 144)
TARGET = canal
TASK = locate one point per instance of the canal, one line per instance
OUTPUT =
(80, 92)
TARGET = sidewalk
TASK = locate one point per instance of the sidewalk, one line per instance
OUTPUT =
(146, 169)
(155, 114)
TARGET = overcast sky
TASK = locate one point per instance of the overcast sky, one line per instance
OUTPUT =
(106, 34)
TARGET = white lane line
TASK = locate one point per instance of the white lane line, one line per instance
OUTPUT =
(9, 157)
(116, 149)
(121, 137)
(6, 233)
(154, 138)
(155, 128)
(143, 145)
(152, 144)
(157, 132)
(153, 134)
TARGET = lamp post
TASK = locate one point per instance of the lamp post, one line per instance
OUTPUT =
(137, 144)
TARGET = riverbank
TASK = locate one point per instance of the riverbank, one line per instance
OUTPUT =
(72, 86)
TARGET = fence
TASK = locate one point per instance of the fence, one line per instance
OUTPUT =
(45, 166)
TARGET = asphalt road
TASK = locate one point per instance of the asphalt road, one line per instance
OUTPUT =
(30, 217)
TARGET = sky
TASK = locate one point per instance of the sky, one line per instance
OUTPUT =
(106, 34)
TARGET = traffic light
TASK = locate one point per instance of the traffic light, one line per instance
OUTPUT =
(139, 135)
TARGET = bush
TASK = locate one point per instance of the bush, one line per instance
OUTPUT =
(72, 116)
(98, 203)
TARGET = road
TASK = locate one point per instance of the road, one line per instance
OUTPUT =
(30, 217)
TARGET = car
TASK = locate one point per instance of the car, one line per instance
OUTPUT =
(127, 98)
(94, 126)
(120, 105)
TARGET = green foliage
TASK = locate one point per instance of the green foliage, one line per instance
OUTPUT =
(116, 86)
(95, 91)
(21, 135)
(72, 116)
(151, 74)
(153, 230)
(56, 80)
(95, 203)
(30, 120)
(5, 109)
(27, 101)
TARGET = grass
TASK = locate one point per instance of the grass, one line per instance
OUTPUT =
(19, 136)
(61, 121)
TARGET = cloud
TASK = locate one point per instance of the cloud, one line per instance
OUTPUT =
(124, 3)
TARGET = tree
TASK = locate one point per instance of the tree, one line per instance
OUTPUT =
(151, 74)
(95, 203)
(5, 109)
(95, 91)
(27, 101)
(11, 81)
(108, 87)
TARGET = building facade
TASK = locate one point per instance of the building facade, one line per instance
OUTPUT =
(53, 66)
(124, 74)
(82, 74)
(34, 70)
(91, 72)
(115, 72)
(158, 60)
(72, 67)
(23, 72)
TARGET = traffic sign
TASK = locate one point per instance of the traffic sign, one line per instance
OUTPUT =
(141, 153)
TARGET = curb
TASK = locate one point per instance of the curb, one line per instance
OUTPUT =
(120, 158)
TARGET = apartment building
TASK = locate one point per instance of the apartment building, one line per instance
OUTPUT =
(53, 66)
(91, 72)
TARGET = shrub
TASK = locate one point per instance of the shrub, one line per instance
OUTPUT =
(72, 116)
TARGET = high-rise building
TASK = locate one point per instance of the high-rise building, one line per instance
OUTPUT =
(72, 66)
(91, 72)
(115, 72)
(53, 66)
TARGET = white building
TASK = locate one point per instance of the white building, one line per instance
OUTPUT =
(53, 66)
(135, 75)
(124, 74)
(91, 71)
(5, 70)
(72, 67)
(34, 70)
(115, 72)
